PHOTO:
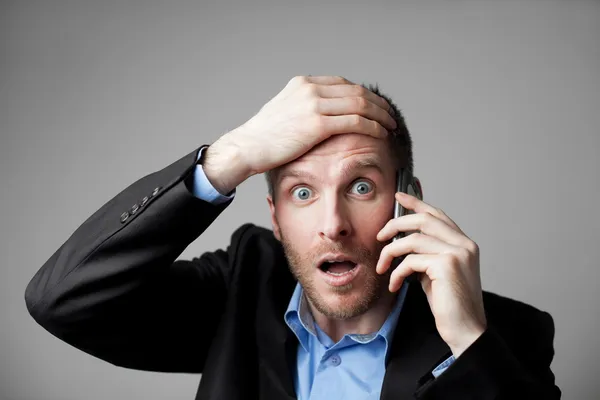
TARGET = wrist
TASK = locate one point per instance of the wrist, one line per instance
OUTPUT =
(224, 167)
(467, 339)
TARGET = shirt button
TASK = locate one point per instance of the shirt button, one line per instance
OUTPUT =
(335, 360)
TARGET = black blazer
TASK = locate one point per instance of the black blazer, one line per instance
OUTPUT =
(115, 291)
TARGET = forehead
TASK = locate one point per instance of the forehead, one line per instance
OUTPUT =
(331, 156)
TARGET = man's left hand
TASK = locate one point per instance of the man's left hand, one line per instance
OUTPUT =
(449, 265)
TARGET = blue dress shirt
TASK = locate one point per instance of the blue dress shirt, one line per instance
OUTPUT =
(352, 368)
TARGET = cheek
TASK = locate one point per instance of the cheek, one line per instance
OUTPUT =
(374, 218)
(296, 227)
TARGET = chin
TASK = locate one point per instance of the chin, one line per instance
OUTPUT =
(343, 302)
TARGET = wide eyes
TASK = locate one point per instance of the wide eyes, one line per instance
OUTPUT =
(359, 187)
(303, 193)
(362, 187)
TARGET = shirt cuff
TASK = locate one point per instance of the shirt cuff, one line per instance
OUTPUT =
(203, 189)
(443, 366)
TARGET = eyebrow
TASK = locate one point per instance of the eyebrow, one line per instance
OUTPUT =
(360, 164)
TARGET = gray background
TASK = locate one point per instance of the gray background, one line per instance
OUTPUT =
(502, 99)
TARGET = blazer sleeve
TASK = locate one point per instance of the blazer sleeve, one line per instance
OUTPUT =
(114, 289)
(491, 369)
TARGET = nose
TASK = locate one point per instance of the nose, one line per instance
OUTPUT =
(335, 223)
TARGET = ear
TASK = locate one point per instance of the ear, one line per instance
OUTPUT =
(420, 187)
(274, 222)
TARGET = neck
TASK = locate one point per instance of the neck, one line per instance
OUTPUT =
(369, 322)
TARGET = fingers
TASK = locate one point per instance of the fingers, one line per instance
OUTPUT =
(419, 206)
(415, 243)
(420, 263)
(352, 123)
(337, 96)
(353, 90)
(425, 223)
(327, 80)
(356, 105)
(338, 86)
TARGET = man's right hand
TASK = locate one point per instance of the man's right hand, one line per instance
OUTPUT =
(306, 112)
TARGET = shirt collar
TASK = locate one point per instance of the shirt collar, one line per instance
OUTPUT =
(298, 317)
(300, 320)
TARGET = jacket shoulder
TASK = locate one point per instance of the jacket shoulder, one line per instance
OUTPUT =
(499, 306)
(250, 234)
(519, 323)
(253, 244)
(255, 231)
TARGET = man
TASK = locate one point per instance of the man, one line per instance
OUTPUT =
(311, 309)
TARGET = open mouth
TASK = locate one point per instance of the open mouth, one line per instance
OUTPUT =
(338, 273)
(337, 268)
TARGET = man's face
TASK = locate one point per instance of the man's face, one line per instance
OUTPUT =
(335, 199)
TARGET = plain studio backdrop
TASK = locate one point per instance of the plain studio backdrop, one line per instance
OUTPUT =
(502, 99)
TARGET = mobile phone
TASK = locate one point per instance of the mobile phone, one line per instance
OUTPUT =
(405, 183)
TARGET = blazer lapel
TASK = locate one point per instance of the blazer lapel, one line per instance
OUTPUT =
(277, 344)
(416, 348)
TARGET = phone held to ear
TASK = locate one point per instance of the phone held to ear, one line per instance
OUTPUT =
(405, 183)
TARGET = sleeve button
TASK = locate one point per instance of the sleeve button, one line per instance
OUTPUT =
(124, 216)
(144, 201)
(134, 208)
(155, 191)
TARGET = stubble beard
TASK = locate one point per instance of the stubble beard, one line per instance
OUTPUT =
(303, 268)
